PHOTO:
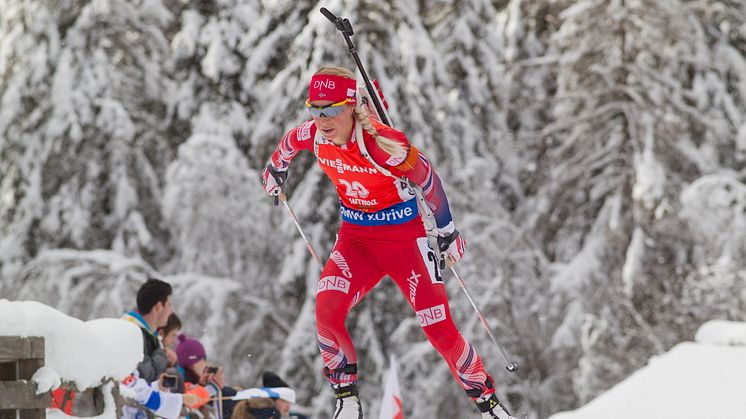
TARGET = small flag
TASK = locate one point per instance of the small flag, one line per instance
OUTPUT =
(391, 403)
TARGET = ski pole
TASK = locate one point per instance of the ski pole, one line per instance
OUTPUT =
(511, 366)
(284, 200)
(344, 26)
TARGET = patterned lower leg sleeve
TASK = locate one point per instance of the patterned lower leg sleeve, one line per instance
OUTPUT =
(334, 359)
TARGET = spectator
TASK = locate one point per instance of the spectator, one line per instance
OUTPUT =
(192, 358)
(170, 331)
(257, 408)
(273, 387)
(284, 400)
(168, 335)
(153, 310)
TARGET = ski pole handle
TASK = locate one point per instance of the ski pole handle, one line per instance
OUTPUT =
(343, 25)
(329, 15)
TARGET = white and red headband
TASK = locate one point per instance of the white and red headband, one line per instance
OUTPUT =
(330, 87)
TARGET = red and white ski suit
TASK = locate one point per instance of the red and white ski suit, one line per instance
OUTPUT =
(382, 234)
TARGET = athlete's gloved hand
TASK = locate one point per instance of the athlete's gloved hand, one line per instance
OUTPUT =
(274, 181)
(452, 246)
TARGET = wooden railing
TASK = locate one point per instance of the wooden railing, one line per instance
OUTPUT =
(20, 358)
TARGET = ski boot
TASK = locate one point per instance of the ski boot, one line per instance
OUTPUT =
(348, 404)
(491, 408)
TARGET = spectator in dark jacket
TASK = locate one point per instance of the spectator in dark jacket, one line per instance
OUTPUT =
(154, 306)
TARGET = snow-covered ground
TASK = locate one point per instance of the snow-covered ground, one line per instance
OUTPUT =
(694, 380)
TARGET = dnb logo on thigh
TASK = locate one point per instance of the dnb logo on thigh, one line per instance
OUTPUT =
(431, 315)
(334, 283)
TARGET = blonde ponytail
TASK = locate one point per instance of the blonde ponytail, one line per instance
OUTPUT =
(388, 145)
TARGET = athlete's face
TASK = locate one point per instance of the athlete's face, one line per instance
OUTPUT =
(337, 128)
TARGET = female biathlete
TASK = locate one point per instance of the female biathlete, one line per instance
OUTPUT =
(382, 233)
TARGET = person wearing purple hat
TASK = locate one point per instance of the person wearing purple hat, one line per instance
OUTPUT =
(192, 359)
(191, 356)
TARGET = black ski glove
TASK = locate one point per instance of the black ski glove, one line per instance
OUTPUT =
(452, 246)
(274, 181)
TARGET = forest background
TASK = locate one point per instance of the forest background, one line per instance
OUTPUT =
(593, 152)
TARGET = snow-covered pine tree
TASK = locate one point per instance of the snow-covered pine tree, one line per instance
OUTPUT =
(82, 138)
(212, 201)
(639, 112)
(579, 162)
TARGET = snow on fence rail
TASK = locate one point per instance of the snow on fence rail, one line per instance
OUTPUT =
(78, 354)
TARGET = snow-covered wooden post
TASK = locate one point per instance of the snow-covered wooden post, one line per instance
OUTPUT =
(20, 358)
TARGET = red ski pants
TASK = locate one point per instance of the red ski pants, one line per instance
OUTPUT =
(361, 256)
